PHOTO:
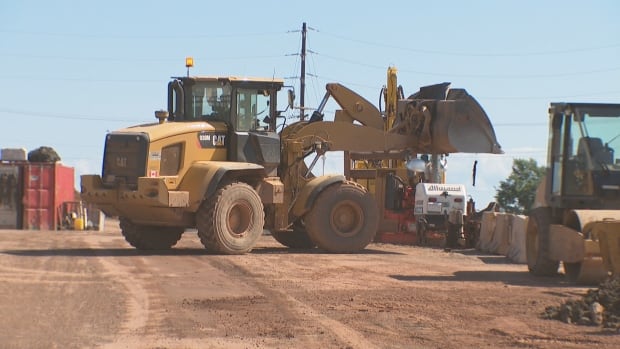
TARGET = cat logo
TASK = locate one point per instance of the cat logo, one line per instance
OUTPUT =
(211, 139)
(121, 161)
(219, 140)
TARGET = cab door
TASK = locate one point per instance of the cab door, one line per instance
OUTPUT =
(253, 139)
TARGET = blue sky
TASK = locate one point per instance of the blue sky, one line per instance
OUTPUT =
(73, 70)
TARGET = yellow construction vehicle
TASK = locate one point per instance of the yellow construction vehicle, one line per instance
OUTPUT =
(576, 213)
(411, 209)
(215, 162)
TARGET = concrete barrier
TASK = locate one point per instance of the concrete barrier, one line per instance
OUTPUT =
(503, 234)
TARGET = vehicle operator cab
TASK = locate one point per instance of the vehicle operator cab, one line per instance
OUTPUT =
(584, 145)
(247, 108)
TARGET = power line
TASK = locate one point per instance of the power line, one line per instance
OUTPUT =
(133, 60)
(580, 95)
(141, 37)
(67, 79)
(27, 141)
(518, 76)
(476, 54)
(481, 76)
(330, 79)
(60, 116)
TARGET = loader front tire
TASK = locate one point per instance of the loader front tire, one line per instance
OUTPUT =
(537, 243)
(146, 237)
(232, 220)
(343, 219)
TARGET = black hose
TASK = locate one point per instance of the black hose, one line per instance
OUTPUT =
(473, 174)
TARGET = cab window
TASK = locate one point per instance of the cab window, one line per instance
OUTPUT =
(210, 101)
(252, 108)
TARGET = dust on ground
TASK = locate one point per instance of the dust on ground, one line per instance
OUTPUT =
(91, 289)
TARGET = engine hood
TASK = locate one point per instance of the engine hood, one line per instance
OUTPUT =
(157, 131)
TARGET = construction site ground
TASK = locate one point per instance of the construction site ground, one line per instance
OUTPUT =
(72, 289)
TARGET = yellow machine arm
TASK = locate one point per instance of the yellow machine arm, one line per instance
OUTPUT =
(452, 125)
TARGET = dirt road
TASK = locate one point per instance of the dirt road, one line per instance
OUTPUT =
(90, 289)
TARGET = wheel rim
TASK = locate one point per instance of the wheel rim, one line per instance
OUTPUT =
(347, 219)
(239, 218)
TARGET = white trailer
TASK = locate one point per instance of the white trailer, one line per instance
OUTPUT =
(440, 208)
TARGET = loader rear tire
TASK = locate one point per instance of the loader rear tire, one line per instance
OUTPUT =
(537, 243)
(146, 237)
(232, 220)
(343, 219)
(298, 238)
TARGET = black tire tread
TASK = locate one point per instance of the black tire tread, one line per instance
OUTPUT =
(145, 237)
(319, 231)
(206, 216)
(543, 265)
(298, 238)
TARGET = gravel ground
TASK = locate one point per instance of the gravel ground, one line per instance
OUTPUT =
(91, 290)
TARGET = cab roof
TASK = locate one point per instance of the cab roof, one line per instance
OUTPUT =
(232, 79)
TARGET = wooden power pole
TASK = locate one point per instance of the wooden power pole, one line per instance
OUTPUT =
(302, 79)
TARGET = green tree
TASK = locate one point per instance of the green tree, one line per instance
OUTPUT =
(516, 194)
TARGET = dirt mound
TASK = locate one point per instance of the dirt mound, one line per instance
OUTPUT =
(43, 154)
(598, 307)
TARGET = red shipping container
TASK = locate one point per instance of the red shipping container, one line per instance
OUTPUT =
(46, 187)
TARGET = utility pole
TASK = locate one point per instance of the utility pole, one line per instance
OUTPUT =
(302, 80)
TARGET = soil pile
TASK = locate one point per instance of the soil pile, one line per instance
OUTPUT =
(43, 154)
(599, 307)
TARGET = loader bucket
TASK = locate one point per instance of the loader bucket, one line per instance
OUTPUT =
(601, 246)
(458, 124)
(464, 125)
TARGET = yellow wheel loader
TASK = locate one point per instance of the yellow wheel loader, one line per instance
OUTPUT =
(215, 162)
(576, 214)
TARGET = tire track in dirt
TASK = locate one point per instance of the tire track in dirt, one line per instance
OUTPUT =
(294, 307)
(29, 275)
(136, 296)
